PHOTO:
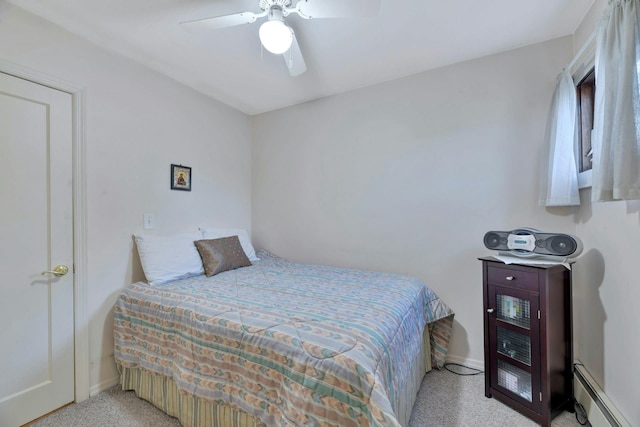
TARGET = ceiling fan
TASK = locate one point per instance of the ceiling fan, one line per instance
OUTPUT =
(275, 35)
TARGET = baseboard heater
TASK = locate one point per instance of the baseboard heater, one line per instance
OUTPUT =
(599, 409)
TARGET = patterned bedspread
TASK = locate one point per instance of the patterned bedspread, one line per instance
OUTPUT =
(292, 344)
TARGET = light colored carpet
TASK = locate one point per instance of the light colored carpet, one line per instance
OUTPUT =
(445, 400)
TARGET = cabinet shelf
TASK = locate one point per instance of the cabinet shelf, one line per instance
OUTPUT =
(528, 337)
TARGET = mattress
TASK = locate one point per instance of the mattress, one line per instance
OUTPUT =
(288, 344)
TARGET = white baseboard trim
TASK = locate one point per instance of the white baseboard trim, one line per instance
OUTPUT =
(475, 364)
(600, 410)
(103, 386)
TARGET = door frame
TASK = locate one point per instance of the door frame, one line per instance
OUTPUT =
(81, 319)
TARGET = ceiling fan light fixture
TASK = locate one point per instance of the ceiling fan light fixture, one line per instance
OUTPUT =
(276, 36)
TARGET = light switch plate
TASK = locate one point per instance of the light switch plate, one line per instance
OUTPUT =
(149, 222)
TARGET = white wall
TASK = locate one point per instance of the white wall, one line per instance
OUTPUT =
(407, 176)
(607, 288)
(138, 122)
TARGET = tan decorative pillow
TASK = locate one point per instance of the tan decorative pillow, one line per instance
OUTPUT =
(222, 254)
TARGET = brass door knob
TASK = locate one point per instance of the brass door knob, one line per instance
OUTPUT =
(58, 271)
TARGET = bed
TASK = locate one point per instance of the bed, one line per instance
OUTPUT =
(279, 343)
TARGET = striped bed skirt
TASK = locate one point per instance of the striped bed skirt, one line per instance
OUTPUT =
(192, 411)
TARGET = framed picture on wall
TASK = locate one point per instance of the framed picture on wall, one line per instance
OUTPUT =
(180, 178)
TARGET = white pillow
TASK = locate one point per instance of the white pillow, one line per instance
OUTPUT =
(166, 258)
(243, 236)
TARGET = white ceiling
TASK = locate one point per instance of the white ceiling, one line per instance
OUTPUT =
(405, 38)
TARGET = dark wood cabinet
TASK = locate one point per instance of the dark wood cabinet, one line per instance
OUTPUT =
(528, 352)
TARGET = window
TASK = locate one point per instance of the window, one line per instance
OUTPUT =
(585, 77)
(585, 91)
(613, 110)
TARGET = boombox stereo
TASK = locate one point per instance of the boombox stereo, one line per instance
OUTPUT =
(529, 242)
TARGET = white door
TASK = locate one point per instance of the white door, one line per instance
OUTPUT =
(36, 229)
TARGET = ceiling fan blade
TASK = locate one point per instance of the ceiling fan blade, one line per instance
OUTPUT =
(218, 22)
(310, 9)
(294, 59)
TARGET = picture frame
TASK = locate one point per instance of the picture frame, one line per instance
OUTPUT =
(180, 177)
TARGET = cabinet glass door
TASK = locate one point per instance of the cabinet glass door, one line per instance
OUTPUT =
(514, 345)
(513, 310)
(515, 380)
(514, 340)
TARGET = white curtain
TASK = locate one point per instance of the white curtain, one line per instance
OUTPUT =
(616, 136)
(559, 183)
